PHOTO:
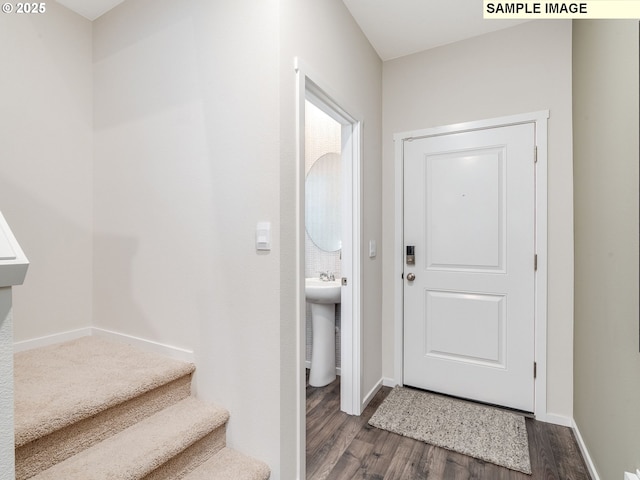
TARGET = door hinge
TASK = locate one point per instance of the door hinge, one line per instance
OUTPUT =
(535, 154)
(535, 369)
(535, 262)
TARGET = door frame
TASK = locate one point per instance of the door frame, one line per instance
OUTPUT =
(540, 120)
(310, 87)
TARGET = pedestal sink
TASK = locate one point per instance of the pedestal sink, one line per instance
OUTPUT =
(323, 296)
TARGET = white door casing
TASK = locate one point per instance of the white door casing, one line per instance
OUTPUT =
(469, 210)
(350, 394)
(309, 85)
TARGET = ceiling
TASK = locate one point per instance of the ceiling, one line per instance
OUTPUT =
(90, 9)
(395, 28)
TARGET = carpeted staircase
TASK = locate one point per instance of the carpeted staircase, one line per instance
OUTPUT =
(91, 409)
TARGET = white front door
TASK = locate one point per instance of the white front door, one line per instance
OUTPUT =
(469, 201)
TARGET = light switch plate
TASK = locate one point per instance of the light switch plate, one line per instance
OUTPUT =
(263, 236)
(373, 249)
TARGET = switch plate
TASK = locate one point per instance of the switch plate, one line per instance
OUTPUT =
(263, 236)
(373, 249)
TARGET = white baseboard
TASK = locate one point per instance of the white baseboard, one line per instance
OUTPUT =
(147, 345)
(632, 476)
(170, 351)
(370, 395)
(51, 339)
(389, 382)
(585, 453)
(556, 419)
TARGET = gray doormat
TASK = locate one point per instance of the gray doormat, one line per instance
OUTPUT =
(487, 433)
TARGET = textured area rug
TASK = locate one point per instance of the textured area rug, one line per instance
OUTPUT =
(482, 432)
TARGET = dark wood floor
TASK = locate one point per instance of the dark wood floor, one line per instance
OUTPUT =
(345, 447)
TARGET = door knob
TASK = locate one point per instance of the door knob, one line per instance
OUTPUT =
(411, 277)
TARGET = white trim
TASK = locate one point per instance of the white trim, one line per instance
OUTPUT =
(171, 351)
(351, 332)
(141, 343)
(51, 339)
(310, 85)
(372, 393)
(398, 264)
(475, 125)
(585, 453)
(310, 88)
(632, 476)
(389, 382)
(540, 119)
(556, 420)
(299, 298)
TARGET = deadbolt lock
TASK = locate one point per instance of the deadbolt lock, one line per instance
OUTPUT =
(411, 255)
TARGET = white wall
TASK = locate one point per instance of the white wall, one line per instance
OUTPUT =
(178, 104)
(522, 69)
(46, 177)
(607, 362)
(186, 164)
(327, 39)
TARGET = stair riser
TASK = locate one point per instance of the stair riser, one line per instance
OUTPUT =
(192, 457)
(36, 456)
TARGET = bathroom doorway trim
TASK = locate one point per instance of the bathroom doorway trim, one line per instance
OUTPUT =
(310, 87)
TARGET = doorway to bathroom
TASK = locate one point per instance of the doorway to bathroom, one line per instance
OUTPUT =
(329, 194)
(323, 245)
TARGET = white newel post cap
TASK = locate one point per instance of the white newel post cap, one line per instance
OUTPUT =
(13, 262)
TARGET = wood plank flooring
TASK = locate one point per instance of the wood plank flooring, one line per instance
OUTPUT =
(343, 447)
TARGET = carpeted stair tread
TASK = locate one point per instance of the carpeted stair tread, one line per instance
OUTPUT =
(59, 385)
(144, 447)
(229, 464)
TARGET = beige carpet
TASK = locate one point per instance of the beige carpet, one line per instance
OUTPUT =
(228, 464)
(100, 374)
(94, 409)
(487, 433)
(143, 447)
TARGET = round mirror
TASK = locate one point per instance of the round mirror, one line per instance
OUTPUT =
(323, 201)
